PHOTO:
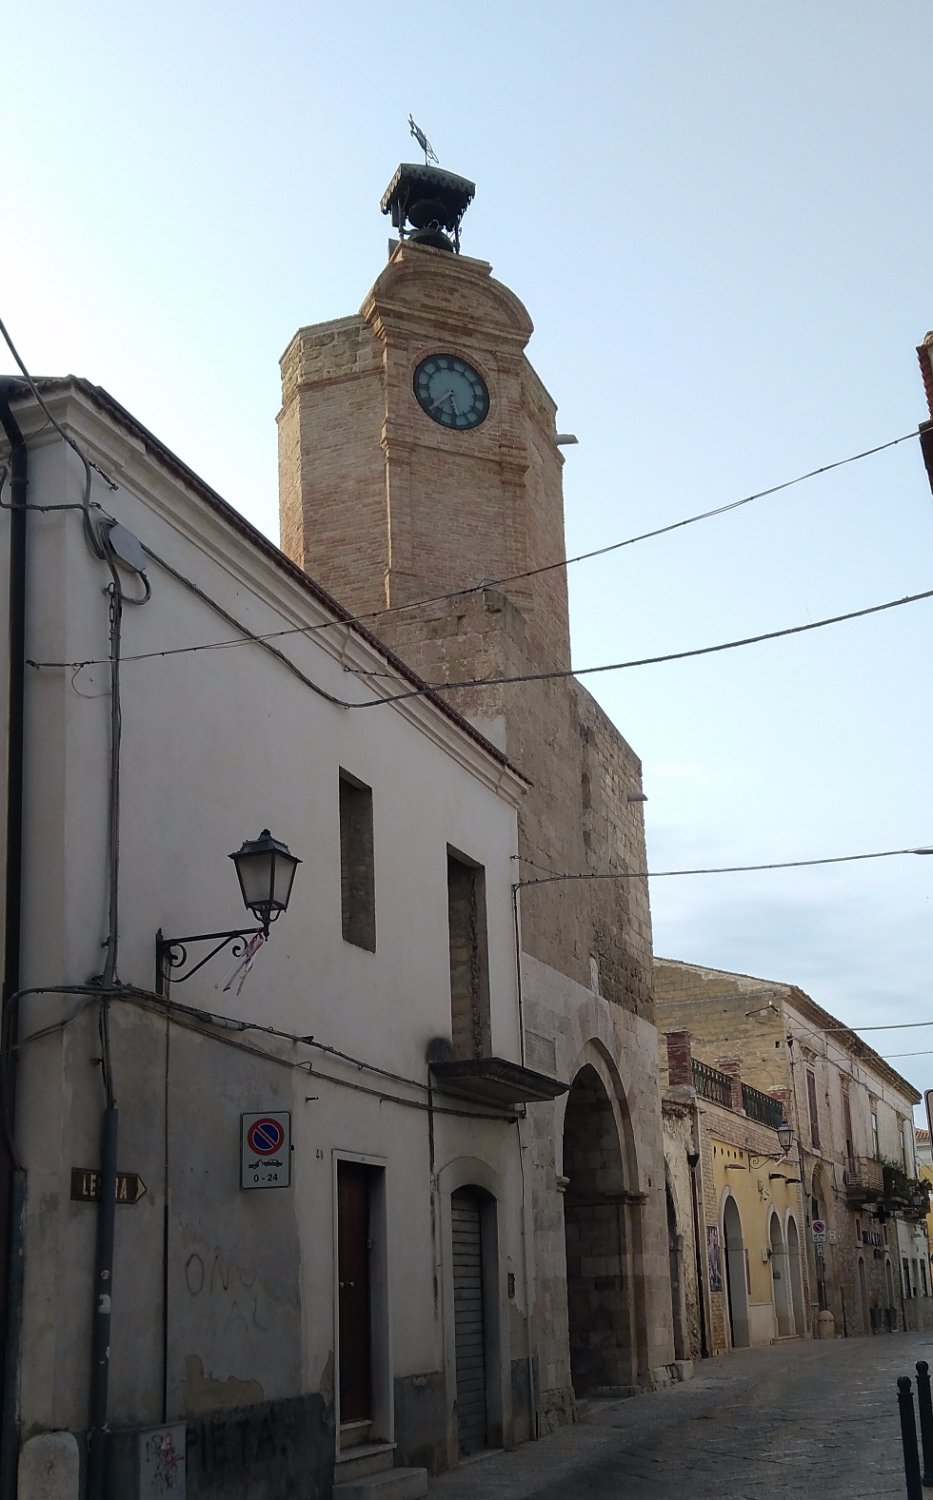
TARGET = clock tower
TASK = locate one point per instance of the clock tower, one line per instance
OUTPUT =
(417, 444)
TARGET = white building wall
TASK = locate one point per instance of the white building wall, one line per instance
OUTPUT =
(217, 744)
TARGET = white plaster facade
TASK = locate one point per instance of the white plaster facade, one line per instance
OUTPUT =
(224, 1301)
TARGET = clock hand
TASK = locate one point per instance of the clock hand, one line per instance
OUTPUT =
(441, 400)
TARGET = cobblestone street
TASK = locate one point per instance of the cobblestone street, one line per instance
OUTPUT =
(801, 1419)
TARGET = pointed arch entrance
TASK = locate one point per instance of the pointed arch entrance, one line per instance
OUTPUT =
(736, 1283)
(796, 1276)
(598, 1242)
(780, 1281)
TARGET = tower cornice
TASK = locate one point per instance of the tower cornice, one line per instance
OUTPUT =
(425, 290)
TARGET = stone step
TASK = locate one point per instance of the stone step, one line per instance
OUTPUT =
(391, 1484)
(364, 1459)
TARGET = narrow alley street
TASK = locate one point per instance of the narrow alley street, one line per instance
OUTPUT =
(802, 1419)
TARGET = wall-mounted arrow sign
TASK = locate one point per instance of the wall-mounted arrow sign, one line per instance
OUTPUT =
(86, 1186)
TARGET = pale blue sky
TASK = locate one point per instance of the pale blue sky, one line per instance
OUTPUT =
(719, 217)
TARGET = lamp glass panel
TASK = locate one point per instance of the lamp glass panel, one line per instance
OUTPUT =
(256, 874)
(283, 874)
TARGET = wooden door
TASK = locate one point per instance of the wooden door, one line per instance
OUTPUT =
(354, 1324)
(469, 1323)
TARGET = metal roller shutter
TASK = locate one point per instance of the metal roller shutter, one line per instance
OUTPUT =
(469, 1333)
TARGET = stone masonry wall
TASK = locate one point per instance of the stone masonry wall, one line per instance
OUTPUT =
(729, 1016)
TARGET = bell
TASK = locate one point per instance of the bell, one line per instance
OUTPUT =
(432, 235)
(425, 212)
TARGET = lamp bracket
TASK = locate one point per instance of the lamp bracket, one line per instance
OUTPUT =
(172, 952)
(758, 1159)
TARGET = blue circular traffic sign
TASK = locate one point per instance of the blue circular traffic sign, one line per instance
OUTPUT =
(265, 1136)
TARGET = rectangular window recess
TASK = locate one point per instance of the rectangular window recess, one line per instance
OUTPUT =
(471, 1032)
(357, 871)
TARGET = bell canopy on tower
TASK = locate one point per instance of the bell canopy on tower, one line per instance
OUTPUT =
(427, 204)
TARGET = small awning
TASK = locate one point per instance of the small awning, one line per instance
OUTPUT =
(492, 1080)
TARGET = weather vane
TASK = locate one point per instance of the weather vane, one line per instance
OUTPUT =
(429, 153)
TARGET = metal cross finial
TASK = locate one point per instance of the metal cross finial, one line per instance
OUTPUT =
(419, 135)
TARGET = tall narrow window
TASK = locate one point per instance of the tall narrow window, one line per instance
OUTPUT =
(847, 1125)
(875, 1148)
(469, 960)
(357, 879)
(811, 1102)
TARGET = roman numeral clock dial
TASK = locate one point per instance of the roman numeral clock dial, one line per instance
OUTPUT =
(451, 392)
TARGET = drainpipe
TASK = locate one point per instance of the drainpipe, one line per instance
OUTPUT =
(13, 1188)
(527, 1208)
(699, 1246)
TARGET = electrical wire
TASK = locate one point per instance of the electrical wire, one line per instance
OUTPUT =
(42, 509)
(65, 436)
(475, 682)
(644, 536)
(705, 515)
(251, 637)
(889, 1026)
(787, 864)
(378, 614)
(201, 1020)
(646, 661)
(247, 637)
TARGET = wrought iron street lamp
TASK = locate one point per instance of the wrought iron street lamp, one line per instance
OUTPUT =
(785, 1135)
(265, 869)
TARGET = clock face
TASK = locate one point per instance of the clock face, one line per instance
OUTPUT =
(451, 391)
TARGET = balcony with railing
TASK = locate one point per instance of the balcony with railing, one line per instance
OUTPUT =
(761, 1107)
(864, 1179)
(711, 1084)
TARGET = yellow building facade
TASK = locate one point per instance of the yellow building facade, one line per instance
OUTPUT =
(735, 1209)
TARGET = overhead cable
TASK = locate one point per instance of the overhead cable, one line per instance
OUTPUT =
(786, 864)
(474, 682)
(645, 661)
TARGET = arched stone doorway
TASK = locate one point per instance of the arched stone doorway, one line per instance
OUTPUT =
(796, 1277)
(780, 1280)
(736, 1283)
(598, 1240)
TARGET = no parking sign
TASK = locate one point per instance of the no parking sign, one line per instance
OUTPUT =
(265, 1150)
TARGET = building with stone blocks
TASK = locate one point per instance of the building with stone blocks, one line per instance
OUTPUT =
(355, 1289)
(447, 536)
(735, 1208)
(854, 1145)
